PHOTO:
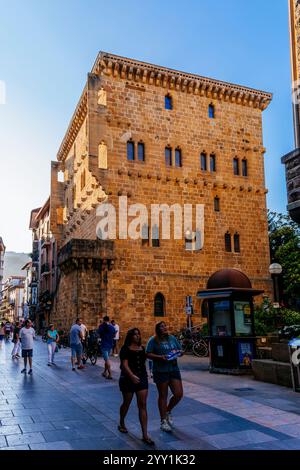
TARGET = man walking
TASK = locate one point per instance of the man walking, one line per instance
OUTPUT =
(27, 334)
(107, 333)
(76, 344)
(116, 338)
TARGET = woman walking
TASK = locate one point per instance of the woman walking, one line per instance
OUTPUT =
(16, 340)
(133, 380)
(2, 334)
(163, 349)
(52, 340)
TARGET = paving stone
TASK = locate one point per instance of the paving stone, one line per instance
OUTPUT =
(36, 427)
(60, 435)
(59, 445)
(6, 430)
(16, 448)
(16, 420)
(30, 438)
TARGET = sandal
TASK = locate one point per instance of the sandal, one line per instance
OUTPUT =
(122, 429)
(148, 441)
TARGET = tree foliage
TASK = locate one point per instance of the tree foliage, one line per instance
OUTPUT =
(284, 236)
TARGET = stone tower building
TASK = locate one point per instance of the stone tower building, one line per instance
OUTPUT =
(157, 136)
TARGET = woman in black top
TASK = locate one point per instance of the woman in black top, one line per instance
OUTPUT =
(134, 379)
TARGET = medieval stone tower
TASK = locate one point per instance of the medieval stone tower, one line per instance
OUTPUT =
(157, 136)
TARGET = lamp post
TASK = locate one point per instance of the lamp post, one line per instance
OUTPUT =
(275, 270)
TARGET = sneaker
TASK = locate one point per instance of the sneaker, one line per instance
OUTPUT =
(169, 419)
(18, 356)
(164, 426)
(30, 372)
(49, 364)
(116, 355)
(73, 368)
(23, 371)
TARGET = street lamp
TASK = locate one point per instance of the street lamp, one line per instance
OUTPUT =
(275, 270)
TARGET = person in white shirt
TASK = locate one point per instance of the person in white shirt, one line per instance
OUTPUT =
(116, 338)
(27, 334)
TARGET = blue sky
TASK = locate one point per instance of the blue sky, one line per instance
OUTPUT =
(47, 48)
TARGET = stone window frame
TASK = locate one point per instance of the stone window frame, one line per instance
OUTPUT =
(159, 298)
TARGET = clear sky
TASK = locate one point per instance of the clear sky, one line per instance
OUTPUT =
(48, 47)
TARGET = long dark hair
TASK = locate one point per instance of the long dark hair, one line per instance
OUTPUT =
(158, 336)
(130, 335)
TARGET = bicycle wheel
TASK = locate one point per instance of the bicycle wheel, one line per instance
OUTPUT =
(200, 348)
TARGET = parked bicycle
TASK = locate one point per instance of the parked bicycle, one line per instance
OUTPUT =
(91, 348)
(193, 341)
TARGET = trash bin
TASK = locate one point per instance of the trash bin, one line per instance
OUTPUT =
(294, 347)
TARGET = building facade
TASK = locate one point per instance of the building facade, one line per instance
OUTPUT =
(13, 299)
(2, 253)
(157, 136)
(42, 271)
(292, 159)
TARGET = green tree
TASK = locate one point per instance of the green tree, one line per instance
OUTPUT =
(284, 236)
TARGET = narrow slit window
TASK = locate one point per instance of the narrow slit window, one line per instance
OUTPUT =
(159, 305)
(211, 111)
(236, 241)
(217, 204)
(178, 161)
(168, 102)
(141, 151)
(212, 163)
(203, 159)
(130, 150)
(228, 242)
(236, 166)
(168, 156)
(145, 235)
(155, 237)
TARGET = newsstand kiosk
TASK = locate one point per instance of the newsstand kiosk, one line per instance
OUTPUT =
(229, 295)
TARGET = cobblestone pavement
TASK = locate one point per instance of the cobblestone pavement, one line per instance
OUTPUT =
(56, 408)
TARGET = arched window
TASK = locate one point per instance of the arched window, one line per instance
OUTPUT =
(236, 166)
(203, 161)
(178, 160)
(130, 150)
(212, 163)
(145, 235)
(236, 243)
(211, 111)
(159, 305)
(244, 167)
(168, 156)
(217, 204)
(141, 151)
(168, 102)
(155, 236)
(228, 242)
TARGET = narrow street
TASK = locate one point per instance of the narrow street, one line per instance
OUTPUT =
(56, 408)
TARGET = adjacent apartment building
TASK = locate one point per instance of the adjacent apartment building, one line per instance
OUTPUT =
(2, 253)
(153, 135)
(292, 159)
